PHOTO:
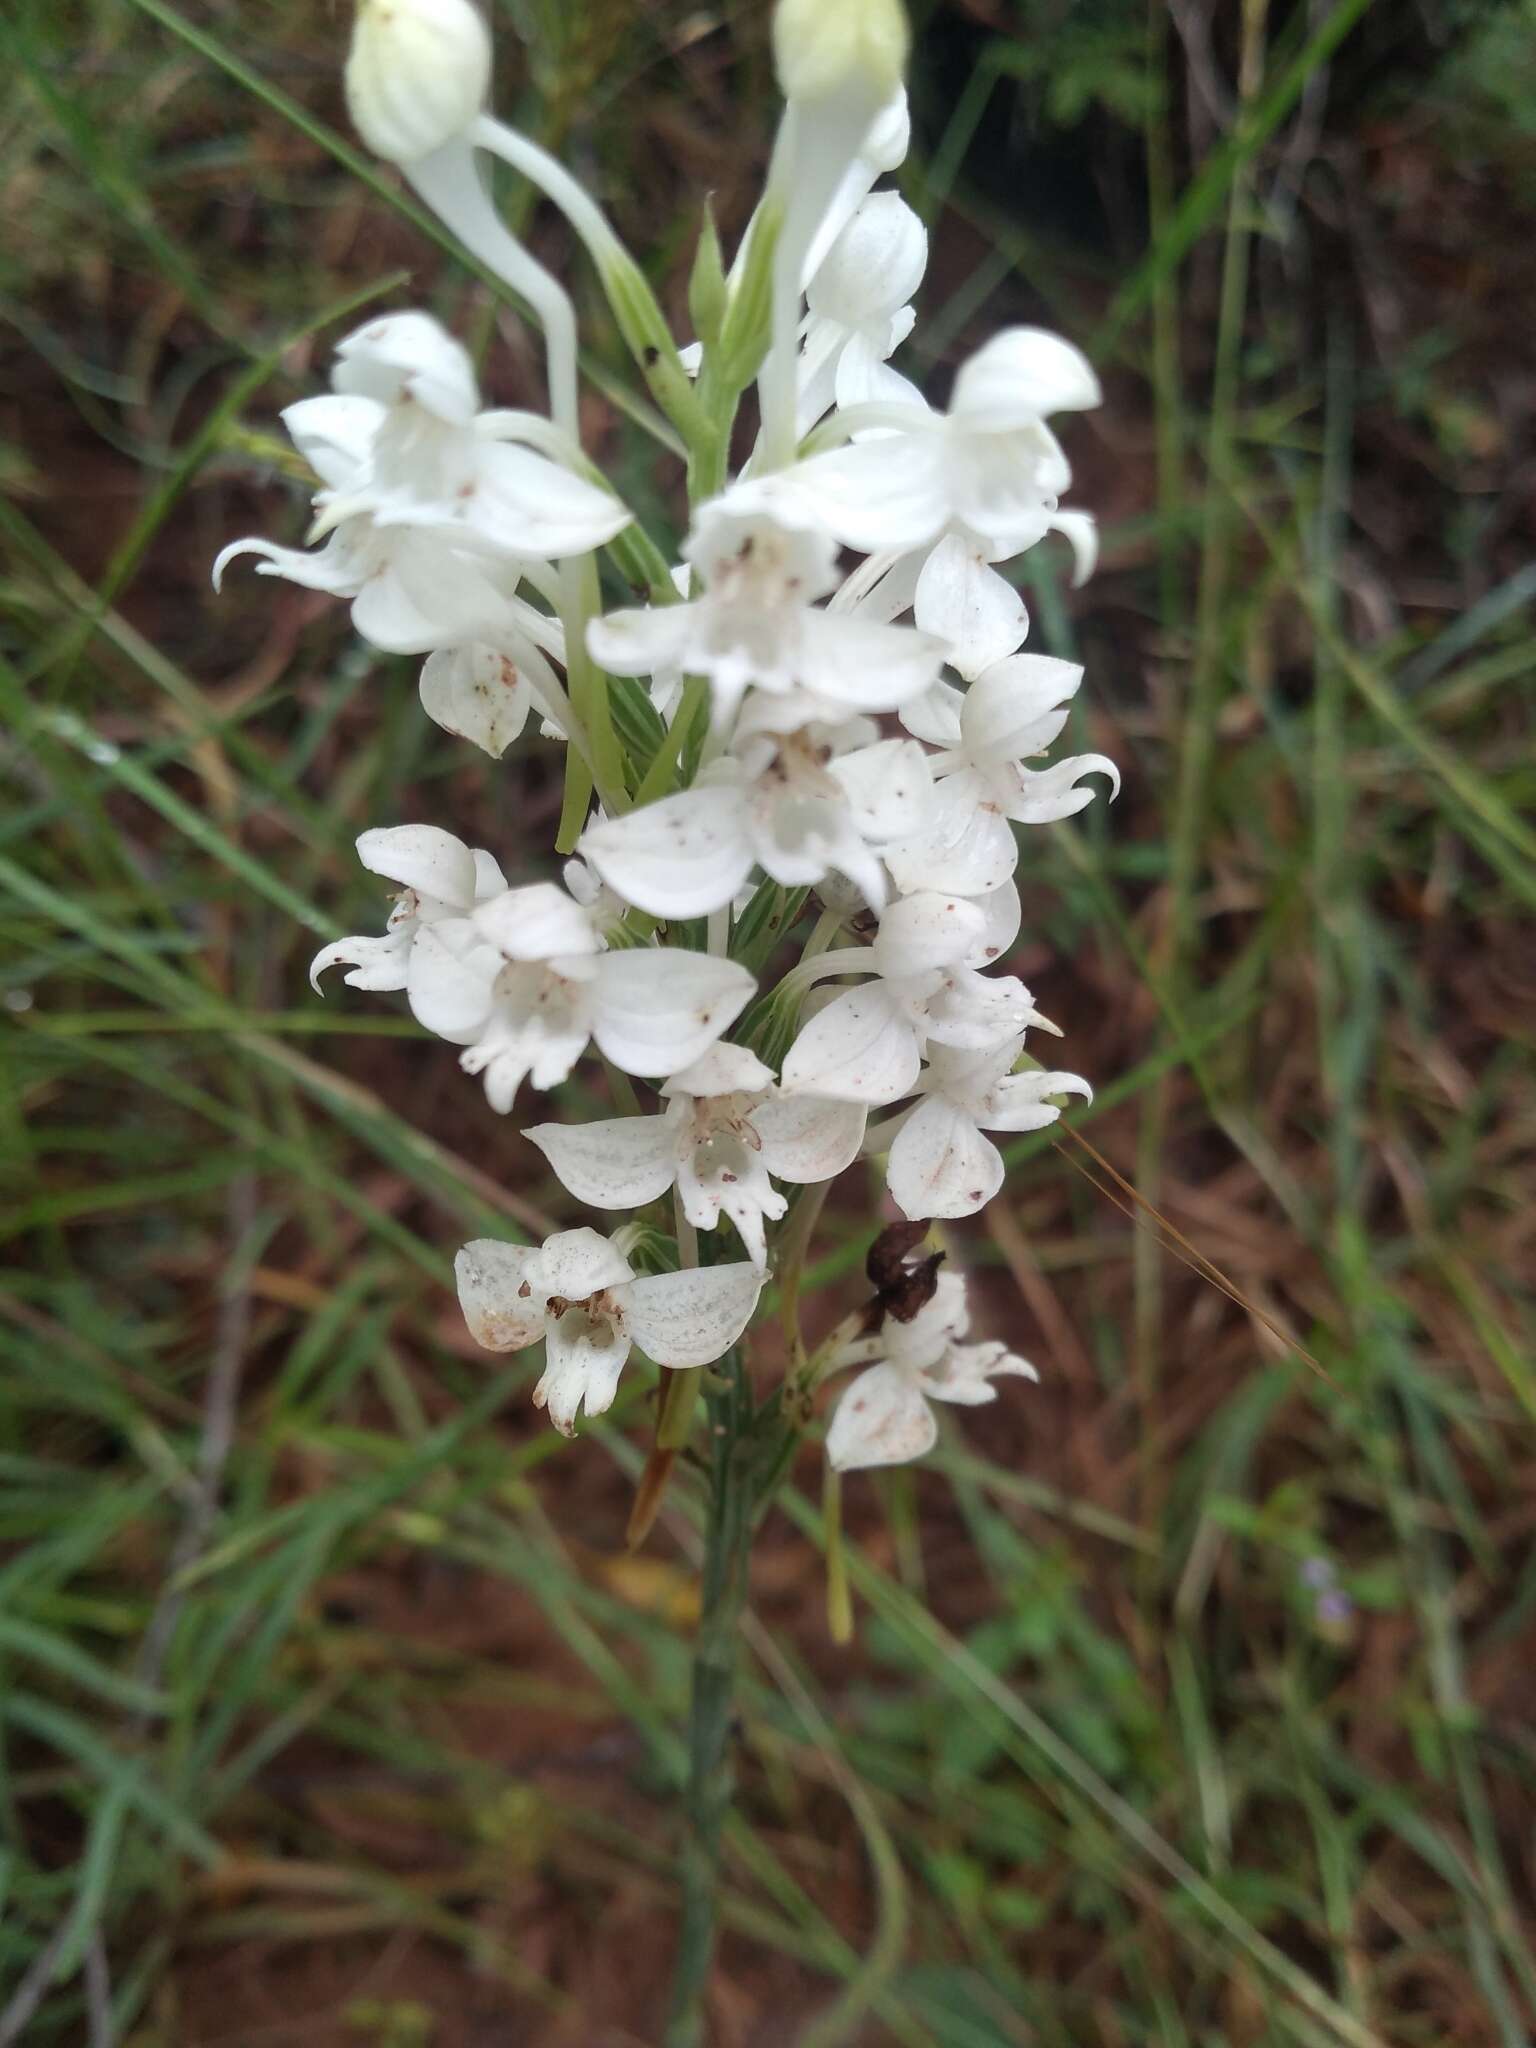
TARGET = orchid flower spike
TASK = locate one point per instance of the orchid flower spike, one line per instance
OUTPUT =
(872, 733)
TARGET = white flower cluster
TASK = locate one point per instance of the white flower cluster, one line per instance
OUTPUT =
(836, 701)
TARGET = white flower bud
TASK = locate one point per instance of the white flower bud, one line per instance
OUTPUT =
(417, 74)
(874, 266)
(821, 48)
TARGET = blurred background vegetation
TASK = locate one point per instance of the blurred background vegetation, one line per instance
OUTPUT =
(1191, 1696)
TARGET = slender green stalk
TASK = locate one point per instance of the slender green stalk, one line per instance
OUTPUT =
(711, 1776)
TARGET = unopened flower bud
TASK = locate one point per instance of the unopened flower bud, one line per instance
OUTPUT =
(417, 74)
(824, 46)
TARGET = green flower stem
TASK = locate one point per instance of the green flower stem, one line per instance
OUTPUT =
(662, 776)
(579, 601)
(575, 802)
(711, 1776)
(639, 317)
(793, 1249)
(679, 1405)
(708, 458)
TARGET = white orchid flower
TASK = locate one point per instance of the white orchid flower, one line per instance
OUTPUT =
(941, 1163)
(801, 804)
(867, 1043)
(859, 313)
(981, 783)
(440, 879)
(434, 460)
(410, 592)
(526, 983)
(763, 560)
(883, 1416)
(724, 1131)
(432, 513)
(989, 464)
(955, 592)
(579, 1294)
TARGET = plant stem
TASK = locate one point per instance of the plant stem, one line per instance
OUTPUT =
(711, 1776)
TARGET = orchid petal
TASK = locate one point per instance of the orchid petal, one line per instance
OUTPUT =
(656, 1009)
(935, 715)
(886, 492)
(681, 857)
(405, 358)
(584, 1360)
(450, 980)
(644, 642)
(875, 265)
(723, 1070)
(335, 436)
(881, 1419)
(940, 1164)
(1002, 914)
(865, 664)
(421, 857)
(1022, 375)
(920, 1344)
(968, 605)
(809, 1138)
(965, 846)
(858, 1049)
(335, 569)
(377, 964)
(578, 1263)
(1055, 792)
(1019, 1102)
(502, 1294)
(620, 1163)
(537, 922)
(1010, 700)
(535, 509)
(862, 377)
(422, 596)
(478, 693)
(964, 1375)
(926, 931)
(690, 1318)
(888, 787)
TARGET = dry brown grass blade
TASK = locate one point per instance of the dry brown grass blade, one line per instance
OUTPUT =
(1139, 1209)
